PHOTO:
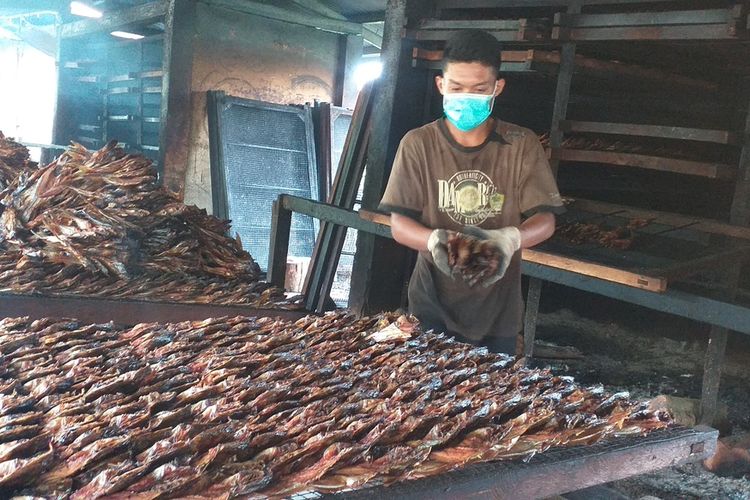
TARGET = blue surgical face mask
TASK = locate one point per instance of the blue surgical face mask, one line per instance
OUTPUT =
(468, 111)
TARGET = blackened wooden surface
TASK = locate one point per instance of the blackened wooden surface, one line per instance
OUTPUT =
(556, 471)
(126, 312)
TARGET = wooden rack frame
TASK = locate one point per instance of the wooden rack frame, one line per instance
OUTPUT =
(547, 62)
(703, 169)
(505, 30)
(703, 24)
(536, 263)
(658, 131)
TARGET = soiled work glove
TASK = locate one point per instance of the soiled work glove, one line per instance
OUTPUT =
(437, 244)
(506, 240)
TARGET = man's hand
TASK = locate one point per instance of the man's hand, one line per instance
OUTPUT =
(506, 240)
(437, 244)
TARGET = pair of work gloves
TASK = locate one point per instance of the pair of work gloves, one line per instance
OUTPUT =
(506, 241)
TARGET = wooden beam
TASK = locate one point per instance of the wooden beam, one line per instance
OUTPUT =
(372, 37)
(670, 32)
(547, 61)
(493, 25)
(606, 273)
(278, 247)
(176, 100)
(352, 49)
(682, 133)
(511, 35)
(320, 8)
(531, 315)
(127, 311)
(140, 14)
(633, 19)
(557, 471)
(712, 368)
(688, 167)
(488, 4)
(39, 39)
(740, 211)
(281, 14)
(666, 218)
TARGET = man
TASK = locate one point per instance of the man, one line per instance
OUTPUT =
(471, 173)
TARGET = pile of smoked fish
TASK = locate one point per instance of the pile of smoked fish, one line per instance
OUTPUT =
(582, 233)
(14, 159)
(470, 258)
(100, 225)
(248, 407)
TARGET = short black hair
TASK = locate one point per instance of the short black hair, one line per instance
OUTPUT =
(473, 46)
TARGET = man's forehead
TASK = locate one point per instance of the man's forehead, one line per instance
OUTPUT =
(468, 70)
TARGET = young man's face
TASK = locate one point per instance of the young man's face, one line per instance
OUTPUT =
(469, 77)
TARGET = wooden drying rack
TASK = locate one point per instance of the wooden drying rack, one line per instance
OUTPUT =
(652, 279)
(650, 290)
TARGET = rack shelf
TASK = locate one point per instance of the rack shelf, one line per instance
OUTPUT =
(152, 74)
(89, 128)
(88, 79)
(663, 132)
(121, 118)
(126, 77)
(706, 24)
(708, 226)
(82, 64)
(505, 30)
(123, 90)
(548, 63)
(688, 167)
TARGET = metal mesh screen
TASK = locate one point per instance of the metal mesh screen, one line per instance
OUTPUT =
(267, 151)
(340, 123)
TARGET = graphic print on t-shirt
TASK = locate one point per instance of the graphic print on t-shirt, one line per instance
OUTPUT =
(469, 197)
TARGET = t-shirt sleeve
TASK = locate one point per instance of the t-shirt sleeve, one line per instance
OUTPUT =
(404, 193)
(538, 188)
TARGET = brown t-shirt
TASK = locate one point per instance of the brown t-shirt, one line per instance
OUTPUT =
(442, 184)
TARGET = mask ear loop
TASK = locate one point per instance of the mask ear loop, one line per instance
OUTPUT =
(492, 102)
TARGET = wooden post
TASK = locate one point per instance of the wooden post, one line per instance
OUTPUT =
(176, 111)
(562, 91)
(740, 213)
(562, 96)
(530, 317)
(717, 342)
(380, 265)
(278, 248)
(351, 48)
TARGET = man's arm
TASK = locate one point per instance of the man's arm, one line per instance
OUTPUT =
(409, 232)
(536, 229)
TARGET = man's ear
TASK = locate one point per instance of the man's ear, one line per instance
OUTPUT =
(439, 83)
(500, 87)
